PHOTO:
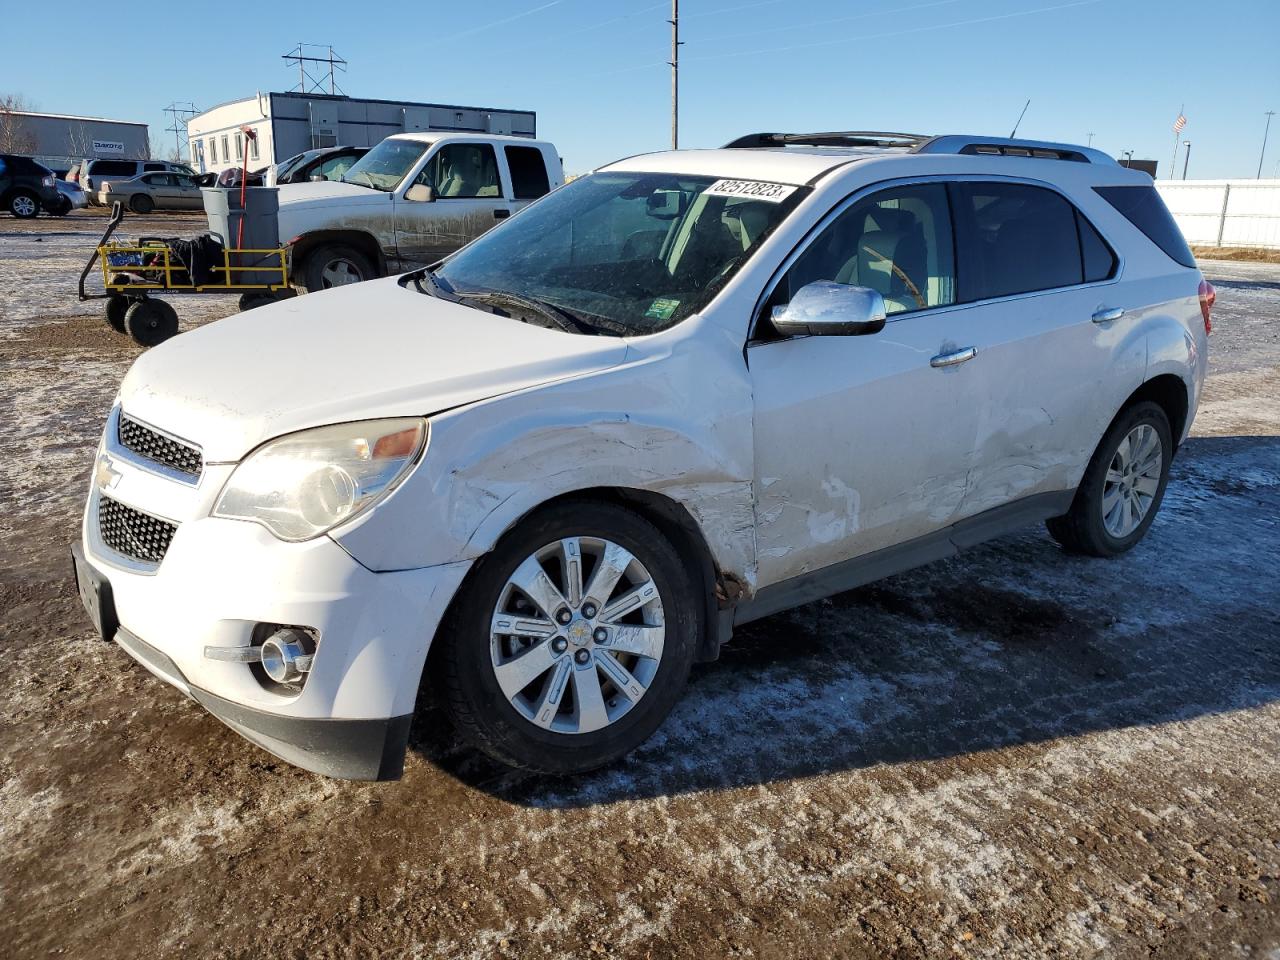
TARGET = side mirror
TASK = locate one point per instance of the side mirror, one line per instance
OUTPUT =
(831, 309)
(420, 193)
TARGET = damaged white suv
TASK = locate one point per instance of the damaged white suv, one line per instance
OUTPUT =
(685, 391)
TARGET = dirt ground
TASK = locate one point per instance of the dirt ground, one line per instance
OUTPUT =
(1013, 753)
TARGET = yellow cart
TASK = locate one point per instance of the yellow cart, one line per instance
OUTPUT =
(132, 271)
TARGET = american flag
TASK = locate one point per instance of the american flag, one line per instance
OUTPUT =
(1179, 123)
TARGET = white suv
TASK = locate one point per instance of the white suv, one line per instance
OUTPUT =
(686, 391)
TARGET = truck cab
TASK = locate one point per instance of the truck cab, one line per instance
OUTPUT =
(410, 201)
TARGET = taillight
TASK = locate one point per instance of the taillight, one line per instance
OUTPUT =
(1208, 296)
(107, 186)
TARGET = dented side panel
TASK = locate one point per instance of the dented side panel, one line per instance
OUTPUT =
(674, 419)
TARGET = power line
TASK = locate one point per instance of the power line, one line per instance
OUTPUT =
(831, 20)
(1269, 114)
(604, 23)
(500, 22)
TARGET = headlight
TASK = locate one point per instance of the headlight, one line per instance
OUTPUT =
(305, 483)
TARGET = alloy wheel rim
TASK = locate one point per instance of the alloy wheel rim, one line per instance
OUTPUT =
(577, 635)
(1133, 478)
(23, 206)
(338, 273)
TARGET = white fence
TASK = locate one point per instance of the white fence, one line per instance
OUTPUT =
(1225, 213)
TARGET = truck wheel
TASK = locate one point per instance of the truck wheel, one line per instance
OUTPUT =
(570, 642)
(141, 203)
(335, 265)
(117, 307)
(151, 321)
(24, 205)
(1122, 487)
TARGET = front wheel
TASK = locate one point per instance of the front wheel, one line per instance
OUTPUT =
(571, 641)
(335, 265)
(24, 206)
(1122, 487)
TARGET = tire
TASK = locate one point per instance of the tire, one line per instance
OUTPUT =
(1131, 493)
(250, 301)
(150, 321)
(141, 203)
(61, 209)
(571, 738)
(24, 205)
(335, 265)
(117, 307)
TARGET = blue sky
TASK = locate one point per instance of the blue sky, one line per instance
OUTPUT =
(595, 72)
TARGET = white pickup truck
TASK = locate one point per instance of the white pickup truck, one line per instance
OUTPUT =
(412, 199)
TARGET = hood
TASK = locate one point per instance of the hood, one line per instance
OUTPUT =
(325, 190)
(372, 349)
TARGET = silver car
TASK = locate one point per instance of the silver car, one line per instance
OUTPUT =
(154, 191)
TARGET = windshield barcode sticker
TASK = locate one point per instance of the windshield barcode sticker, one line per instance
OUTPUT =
(750, 190)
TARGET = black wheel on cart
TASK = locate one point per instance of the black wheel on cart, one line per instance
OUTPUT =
(141, 203)
(117, 307)
(151, 321)
(256, 298)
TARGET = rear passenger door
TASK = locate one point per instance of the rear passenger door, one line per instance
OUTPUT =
(1035, 279)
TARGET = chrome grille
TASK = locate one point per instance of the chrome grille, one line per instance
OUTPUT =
(146, 442)
(131, 532)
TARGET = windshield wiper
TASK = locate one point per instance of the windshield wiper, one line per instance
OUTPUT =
(368, 181)
(561, 319)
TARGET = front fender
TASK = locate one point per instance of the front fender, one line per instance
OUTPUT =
(675, 420)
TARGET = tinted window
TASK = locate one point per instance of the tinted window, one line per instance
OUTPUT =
(462, 170)
(897, 242)
(1143, 208)
(153, 166)
(528, 172)
(113, 168)
(1014, 239)
(1099, 262)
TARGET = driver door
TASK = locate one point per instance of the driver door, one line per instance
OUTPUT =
(861, 443)
(469, 199)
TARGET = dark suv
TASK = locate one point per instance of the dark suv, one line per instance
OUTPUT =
(27, 186)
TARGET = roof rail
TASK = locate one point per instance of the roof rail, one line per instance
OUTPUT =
(837, 138)
(1005, 147)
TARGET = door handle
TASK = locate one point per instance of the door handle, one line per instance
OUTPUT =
(501, 214)
(1107, 314)
(951, 359)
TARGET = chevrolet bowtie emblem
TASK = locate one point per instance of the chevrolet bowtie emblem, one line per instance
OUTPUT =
(105, 475)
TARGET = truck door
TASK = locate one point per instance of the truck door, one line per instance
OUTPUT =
(468, 199)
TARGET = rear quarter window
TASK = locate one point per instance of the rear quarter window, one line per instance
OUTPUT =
(528, 172)
(1142, 207)
(113, 168)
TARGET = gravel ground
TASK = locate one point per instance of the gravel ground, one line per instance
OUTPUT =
(1013, 753)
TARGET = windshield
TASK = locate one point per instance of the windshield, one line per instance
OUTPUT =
(386, 165)
(627, 253)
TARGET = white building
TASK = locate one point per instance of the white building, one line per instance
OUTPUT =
(289, 123)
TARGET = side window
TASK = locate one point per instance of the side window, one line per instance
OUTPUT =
(1013, 238)
(463, 170)
(152, 166)
(335, 168)
(1099, 262)
(528, 172)
(897, 242)
(160, 180)
(1142, 206)
(114, 168)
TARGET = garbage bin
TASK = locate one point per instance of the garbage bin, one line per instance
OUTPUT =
(261, 228)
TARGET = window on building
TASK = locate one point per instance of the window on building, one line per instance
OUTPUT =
(253, 149)
(528, 172)
(213, 150)
(226, 148)
(239, 146)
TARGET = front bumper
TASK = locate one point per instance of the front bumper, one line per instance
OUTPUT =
(220, 580)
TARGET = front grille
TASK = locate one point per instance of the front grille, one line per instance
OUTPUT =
(155, 446)
(133, 533)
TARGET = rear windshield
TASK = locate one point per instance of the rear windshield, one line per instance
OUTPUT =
(1143, 208)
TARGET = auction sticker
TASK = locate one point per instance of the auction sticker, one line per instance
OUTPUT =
(750, 190)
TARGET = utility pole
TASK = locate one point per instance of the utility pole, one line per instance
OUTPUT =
(1186, 159)
(675, 74)
(181, 111)
(1269, 114)
(306, 82)
(1090, 143)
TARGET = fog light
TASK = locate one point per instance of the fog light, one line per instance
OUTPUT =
(284, 656)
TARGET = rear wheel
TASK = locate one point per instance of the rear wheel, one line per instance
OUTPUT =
(24, 205)
(249, 301)
(335, 265)
(141, 203)
(571, 641)
(1122, 487)
(61, 208)
(151, 321)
